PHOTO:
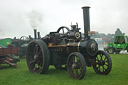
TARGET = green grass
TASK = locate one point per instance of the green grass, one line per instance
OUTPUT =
(21, 75)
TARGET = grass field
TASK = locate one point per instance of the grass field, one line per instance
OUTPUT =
(21, 75)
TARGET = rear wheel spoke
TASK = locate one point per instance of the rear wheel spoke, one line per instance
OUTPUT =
(33, 62)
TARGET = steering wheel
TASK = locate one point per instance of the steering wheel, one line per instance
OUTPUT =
(62, 28)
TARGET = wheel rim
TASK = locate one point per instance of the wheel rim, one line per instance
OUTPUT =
(35, 58)
(110, 50)
(76, 67)
(103, 63)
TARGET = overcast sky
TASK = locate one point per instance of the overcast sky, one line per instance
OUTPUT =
(19, 17)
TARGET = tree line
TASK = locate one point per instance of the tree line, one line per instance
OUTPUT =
(109, 36)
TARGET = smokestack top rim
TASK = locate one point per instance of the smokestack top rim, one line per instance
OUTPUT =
(85, 7)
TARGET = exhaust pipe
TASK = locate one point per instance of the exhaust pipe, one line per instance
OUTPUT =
(35, 33)
(86, 19)
(38, 35)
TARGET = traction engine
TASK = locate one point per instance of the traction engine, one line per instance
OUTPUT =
(68, 49)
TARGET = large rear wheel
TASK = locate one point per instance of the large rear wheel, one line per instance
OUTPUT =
(76, 65)
(38, 56)
(103, 63)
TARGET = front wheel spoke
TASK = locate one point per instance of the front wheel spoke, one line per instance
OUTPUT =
(106, 64)
(103, 68)
(97, 58)
(105, 58)
(73, 59)
(99, 67)
(101, 55)
(40, 63)
(72, 70)
(77, 58)
(79, 64)
(39, 66)
(96, 63)
(81, 70)
(35, 67)
(77, 72)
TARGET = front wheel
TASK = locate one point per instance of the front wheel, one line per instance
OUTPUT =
(103, 63)
(110, 50)
(76, 65)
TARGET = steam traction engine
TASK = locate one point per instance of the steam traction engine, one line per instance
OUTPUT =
(67, 48)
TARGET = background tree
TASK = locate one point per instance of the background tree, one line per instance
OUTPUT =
(118, 32)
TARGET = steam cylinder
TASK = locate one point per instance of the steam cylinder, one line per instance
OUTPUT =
(88, 47)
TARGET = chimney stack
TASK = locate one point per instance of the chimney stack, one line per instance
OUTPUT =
(86, 19)
(38, 35)
(35, 33)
